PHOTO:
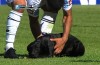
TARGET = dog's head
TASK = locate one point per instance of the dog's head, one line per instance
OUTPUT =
(41, 47)
(34, 49)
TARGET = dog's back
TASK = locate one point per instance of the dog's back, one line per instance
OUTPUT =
(73, 47)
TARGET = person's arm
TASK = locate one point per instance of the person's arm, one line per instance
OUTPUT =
(67, 22)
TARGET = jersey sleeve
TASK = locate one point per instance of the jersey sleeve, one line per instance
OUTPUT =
(67, 5)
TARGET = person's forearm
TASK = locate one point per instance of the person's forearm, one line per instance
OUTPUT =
(67, 27)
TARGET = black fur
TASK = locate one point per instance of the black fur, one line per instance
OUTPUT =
(43, 47)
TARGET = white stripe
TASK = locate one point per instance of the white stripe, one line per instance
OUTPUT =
(84, 2)
(92, 2)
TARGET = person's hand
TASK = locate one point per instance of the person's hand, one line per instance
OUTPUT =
(60, 43)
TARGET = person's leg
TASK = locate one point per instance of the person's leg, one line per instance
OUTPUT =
(35, 26)
(33, 17)
(34, 23)
(12, 25)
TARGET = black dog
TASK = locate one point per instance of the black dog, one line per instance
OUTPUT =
(43, 47)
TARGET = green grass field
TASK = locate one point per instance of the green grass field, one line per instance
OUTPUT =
(86, 27)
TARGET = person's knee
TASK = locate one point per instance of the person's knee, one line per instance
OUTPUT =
(13, 3)
(20, 2)
(33, 13)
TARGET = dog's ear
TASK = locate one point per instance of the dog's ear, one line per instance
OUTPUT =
(34, 49)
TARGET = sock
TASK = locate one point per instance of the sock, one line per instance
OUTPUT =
(12, 25)
(47, 22)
